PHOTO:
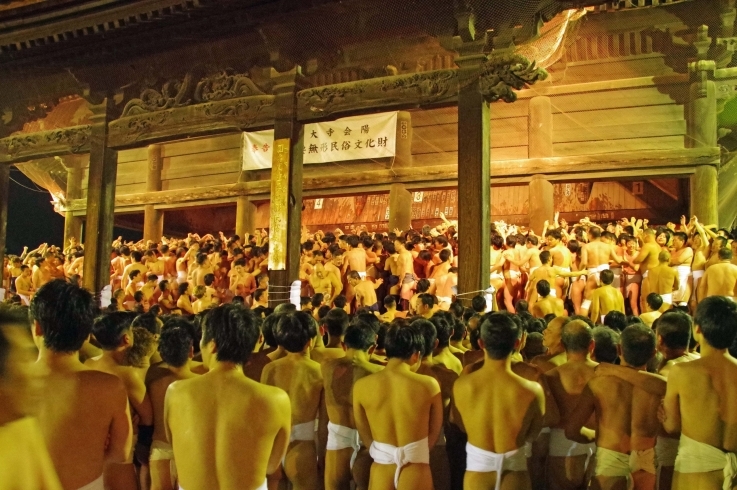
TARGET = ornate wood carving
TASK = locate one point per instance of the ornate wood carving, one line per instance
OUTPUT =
(502, 75)
(213, 117)
(224, 85)
(439, 86)
(172, 95)
(23, 147)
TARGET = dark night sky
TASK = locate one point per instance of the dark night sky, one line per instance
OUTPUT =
(32, 219)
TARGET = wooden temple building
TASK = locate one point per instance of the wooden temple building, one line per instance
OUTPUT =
(134, 113)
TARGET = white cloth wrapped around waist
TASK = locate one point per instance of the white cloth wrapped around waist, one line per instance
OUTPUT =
(666, 450)
(614, 463)
(667, 298)
(698, 274)
(596, 272)
(697, 457)
(483, 461)
(341, 437)
(414, 452)
(303, 432)
(562, 447)
(95, 485)
(161, 451)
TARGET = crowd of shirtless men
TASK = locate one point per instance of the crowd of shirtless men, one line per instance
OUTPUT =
(599, 357)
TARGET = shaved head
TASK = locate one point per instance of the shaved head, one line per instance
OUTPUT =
(576, 336)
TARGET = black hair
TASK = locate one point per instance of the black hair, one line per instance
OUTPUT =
(725, 254)
(717, 317)
(340, 301)
(322, 311)
(183, 288)
(576, 336)
(654, 301)
(336, 322)
(360, 336)
(638, 344)
(582, 318)
(605, 344)
(267, 328)
(110, 328)
(543, 288)
(317, 300)
(456, 309)
(429, 335)
(389, 301)
(459, 331)
(616, 320)
(65, 313)
(163, 285)
(422, 286)
(674, 327)
(522, 306)
(403, 342)
(294, 330)
(478, 303)
(544, 257)
(209, 279)
(174, 345)
(607, 277)
(257, 294)
(499, 333)
(443, 328)
(149, 321)
(234, 331)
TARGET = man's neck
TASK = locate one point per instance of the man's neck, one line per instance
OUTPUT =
(358, 355)
(497, 365)
(225, 367)
(556, 350)
(58, 360)
(181, 371)
(577, 356)
(117, 356)
(670, 354)
(395, 364)
(709, 351)
(333, 342)
(623, 363)
(305, 354)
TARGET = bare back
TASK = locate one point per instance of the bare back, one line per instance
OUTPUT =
(301, 378)
(339, 376)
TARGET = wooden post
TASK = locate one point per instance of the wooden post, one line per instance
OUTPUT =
(100, 200)
(474, 217)
(704, 192)
(153, 219)
(245, 217)
(540, 128)
(286, 186)
(4, 189)
(73, 224)
(702, 133)
(400, 207)
(540, 137)
(403, 154)
(542, 207)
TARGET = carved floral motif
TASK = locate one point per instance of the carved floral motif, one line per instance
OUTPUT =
(502, 75)
(76, 139)
(172, 94)
(224, 86)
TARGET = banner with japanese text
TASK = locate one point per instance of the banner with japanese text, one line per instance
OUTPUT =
(350, 138)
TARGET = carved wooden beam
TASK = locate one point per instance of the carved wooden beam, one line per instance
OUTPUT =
(57, 142)
(208, 118)
(329, 181)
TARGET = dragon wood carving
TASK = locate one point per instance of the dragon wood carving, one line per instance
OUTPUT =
(223, 85)
(173, 94)
(75, 140)
(502, 75)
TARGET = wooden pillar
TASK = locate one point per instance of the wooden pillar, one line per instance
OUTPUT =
(245, 217)
(400, 207)
(540, 145)
(403, 155)
(540, 128)
(474, 181)
(286, 186)
(153, 219)
(704, 192)
(4, 189)
(73, 224)
(702, 133)
(100, 200)
(541, 203)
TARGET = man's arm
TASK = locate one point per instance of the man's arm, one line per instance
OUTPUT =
(537, 409)
(581, 414)
(436, 415)
(552, 414)
(337, 284)
(702, 287)
(671, 414)
(283, 410)
(650, 382)
(121, 431)
(359, 415)
(641, 256)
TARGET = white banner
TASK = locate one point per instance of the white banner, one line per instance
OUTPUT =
(350, 138)
(257, 149)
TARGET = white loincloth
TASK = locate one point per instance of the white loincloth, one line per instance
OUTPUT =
(162, 451)
(25, 299)
(444, 299)
(667, 298)
(181, 277)
(362, 275)
(495, 276)
(697, 457)
(263, 486)
(596, 272)
(602, 319)
(553, 293)
(616, 464)
(562, 447)
(617, 282)
(514, 274)
(684, 272)
(586, 304)
(341, 437)
(482, 461)
(303, 432)
(95, 485)
(697, 275)
(414, 452)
